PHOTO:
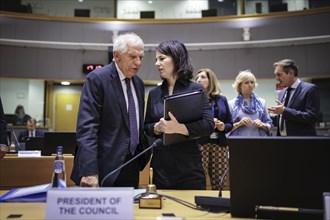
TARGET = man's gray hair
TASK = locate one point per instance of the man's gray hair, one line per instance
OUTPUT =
(123, 40)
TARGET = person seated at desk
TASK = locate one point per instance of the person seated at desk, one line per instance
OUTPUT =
(31, 131)
(21, 117)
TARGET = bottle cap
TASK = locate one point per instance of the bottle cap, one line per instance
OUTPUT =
(60, 148)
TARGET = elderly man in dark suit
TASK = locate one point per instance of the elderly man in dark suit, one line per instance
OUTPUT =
(105, 138)
(30, 131)
(298, 104)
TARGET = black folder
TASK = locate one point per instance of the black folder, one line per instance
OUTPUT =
(186, 107)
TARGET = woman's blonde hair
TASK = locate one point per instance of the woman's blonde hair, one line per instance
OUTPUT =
(243, 76)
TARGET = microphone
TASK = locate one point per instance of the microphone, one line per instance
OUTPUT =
(215, 204)
(17, 143)
(156, 143)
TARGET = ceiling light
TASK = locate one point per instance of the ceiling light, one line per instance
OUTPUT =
(65, 83)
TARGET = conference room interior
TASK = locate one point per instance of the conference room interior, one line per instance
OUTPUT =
(42, 46)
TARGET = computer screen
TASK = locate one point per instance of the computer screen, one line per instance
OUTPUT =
(280, 172)
(52, 139)
(34, 143)
(10, 119)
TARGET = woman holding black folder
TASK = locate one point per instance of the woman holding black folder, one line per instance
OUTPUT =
(214, 148)
(176, 166)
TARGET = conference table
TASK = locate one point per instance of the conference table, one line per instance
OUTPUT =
(36, 211)
(18, 172)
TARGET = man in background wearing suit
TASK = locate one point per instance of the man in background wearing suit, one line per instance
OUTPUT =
(298, 104)
(3, 132)
(104, 136)
(30, 131)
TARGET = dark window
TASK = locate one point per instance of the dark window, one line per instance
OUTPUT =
(209, 13)
(147, 14)
(82, 13)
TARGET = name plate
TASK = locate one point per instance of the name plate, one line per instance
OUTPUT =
(90, 203)
(29, 153)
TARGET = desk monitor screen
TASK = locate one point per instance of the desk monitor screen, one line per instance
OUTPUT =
(10, 119)
(34, 143)
(279, 172)
(54, 139)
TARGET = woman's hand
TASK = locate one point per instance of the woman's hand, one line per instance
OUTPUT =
(172, 126)
(158, 128)
(260, 124)
(243, 122)
(219, 124)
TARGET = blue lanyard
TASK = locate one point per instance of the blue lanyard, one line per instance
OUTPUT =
(212, 104)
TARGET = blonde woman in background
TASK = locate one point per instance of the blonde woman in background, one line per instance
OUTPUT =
(249, 112)
(214, 148)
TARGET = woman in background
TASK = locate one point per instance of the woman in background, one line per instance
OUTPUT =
(21, 117)
(214, 148)
(249, 112)
(176, 166)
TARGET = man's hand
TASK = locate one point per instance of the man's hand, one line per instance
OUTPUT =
(3, 150)
(90, 181)
(279, 109)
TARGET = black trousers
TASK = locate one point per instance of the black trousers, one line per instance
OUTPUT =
(178, 167)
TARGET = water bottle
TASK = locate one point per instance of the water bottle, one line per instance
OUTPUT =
(59, 177)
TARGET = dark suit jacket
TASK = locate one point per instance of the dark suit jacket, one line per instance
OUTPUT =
(155, 109)
(302, 112)
(25, 133)
(224, 115)
(103, 132)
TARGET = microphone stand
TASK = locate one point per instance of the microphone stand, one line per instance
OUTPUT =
(156, 143)
(215, 204)
(18, 145)
(222, 180)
